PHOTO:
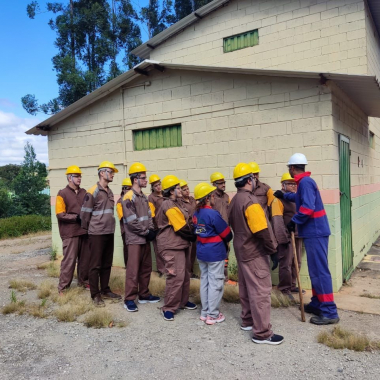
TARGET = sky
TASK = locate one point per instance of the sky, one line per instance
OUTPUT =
(26, 50)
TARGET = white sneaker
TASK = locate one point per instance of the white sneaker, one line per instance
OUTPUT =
(245, 328)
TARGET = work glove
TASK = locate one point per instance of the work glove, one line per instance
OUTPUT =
(151, 235)
(279, 194)
(79, 219)
(274, 258)
(291, 226)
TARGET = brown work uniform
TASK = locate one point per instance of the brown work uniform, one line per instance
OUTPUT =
(137, 217)
(264, 195)
(97, 215)
(254, 242)
(282, 212)
(221, 204)
(119, 210)
(190, 205)
(155, 203)
(172, 220)
(74, 238)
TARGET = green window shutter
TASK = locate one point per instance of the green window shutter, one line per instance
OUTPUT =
(241, 41)
(156, 138)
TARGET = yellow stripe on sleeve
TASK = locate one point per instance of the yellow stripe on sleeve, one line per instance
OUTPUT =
(176, 218)
(60, 206)
(270, 196)
(277, 208)
(256, 218)
(152, 209)
(119, 210)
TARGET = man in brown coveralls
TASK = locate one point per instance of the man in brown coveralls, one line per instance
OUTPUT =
(282, 213)
(97, 215)
(222, 201)
(139, 232)
(254, 242)
(74, 238)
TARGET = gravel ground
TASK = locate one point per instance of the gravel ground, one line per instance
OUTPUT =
(33, 348)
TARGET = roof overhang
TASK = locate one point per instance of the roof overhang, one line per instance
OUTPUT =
(374, 7)
(363, 90)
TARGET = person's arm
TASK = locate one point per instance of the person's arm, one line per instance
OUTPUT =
(291, 197)
(307, 207)
(270, 196)
(60, 211)
(119, 209)
(222, 228)
(279, 229)
(152, 215)
(86, 210)
(178, 222)
(130, 218)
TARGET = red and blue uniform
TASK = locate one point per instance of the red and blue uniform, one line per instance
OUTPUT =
(213, 234)
(313, 227)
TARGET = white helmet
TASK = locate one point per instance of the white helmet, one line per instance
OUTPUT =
(297, 159)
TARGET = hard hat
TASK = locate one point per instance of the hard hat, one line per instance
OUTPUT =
(109, 165)
(242, 169)
(202, 190)
(169, 181)
(287, 177)
(137, 167)
(182, 183)
(73, 169)
(126, 182)
(154, 178)
(216, 177)
(255, 167)
(297, 159)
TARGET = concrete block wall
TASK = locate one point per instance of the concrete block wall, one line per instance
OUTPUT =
(310, 35)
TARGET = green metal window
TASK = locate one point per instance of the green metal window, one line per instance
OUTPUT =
(241, 41)
(162, 137)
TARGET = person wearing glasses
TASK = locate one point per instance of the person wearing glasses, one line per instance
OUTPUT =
(282, 212)
(139, 232)
(74, 237)
(222, 201)
(97, 217)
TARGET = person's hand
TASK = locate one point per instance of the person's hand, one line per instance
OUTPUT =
(279, 194)
(193, 238)
(79, 219)
(291, 226)
(274, 258)
(151, 235)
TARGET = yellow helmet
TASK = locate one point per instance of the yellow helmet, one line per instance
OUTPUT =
(108, 164)
(242, 169)
(216, 177)
(126, 182)
(73, 169)
(255, 167)
(137, 167)
(169, 181)
(154, 178)
(202, 190)
(182, 183)
(287, 177)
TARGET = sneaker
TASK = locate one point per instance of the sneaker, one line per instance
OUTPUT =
(150, 299)
(202, 318)
(98, 301)
(168, 315)
(111, 296)
(274, 340)
(190, 306)
(211, 320)
(130, 306)
(246, 328)
(321, 320)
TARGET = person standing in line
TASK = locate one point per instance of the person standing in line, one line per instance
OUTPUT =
(97, 217)
(213, 235)
(74, 237)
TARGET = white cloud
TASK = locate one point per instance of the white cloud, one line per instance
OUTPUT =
(13, 139)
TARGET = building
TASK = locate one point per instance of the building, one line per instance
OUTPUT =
(241, 81)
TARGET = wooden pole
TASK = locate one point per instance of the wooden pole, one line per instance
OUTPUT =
(298, 278)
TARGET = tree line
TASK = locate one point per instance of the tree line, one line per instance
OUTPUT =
(95, 38)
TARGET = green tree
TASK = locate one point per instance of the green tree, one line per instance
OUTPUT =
(28, 184)
(7, 174)
(184, 7)
(157, 18)
(5, 201)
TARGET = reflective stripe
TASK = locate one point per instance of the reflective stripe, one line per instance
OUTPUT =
(101, 212)
(319, 214)
(95, 193)
(212, 239)
(143, 218)
(130, 218)
(225, 232)
(311, 213)
(86, 209)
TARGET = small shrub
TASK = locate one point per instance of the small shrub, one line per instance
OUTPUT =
(13, 297)
(69, 295)
(53, 253)
(52, 268)
(117, 282)
(195, 291)
(278, 299)
(14, 308)
(98, 319)
(22, 285)
(37, 311)
(231, 293)
(157, 285)
(72, 307)
(23, 225)
(45, 289)
(232, 270)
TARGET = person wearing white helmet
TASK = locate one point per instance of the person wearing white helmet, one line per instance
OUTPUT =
(313, 226)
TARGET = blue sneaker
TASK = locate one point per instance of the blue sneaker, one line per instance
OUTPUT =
(168, 315)
(190, 306)
(150, 299)
(130, 306)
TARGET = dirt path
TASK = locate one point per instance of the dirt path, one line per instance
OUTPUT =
(149, 347)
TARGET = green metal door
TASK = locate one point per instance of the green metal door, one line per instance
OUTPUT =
(345, 206)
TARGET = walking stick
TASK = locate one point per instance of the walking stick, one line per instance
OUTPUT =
(298, 278)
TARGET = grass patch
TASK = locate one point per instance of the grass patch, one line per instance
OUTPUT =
(69, 295)
(231, 293)
(45, 289)
(52, 268)
(53, 253)
(117, 282)
(22, 285)
(369, 295)
(14, 308)
(278, 299)
(20, 308)
(339, 338)
(194, 291)
(157, 285)
(232, 270)
(23, 225)
(98, 319)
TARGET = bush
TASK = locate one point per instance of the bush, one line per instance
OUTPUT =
(23, 225)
